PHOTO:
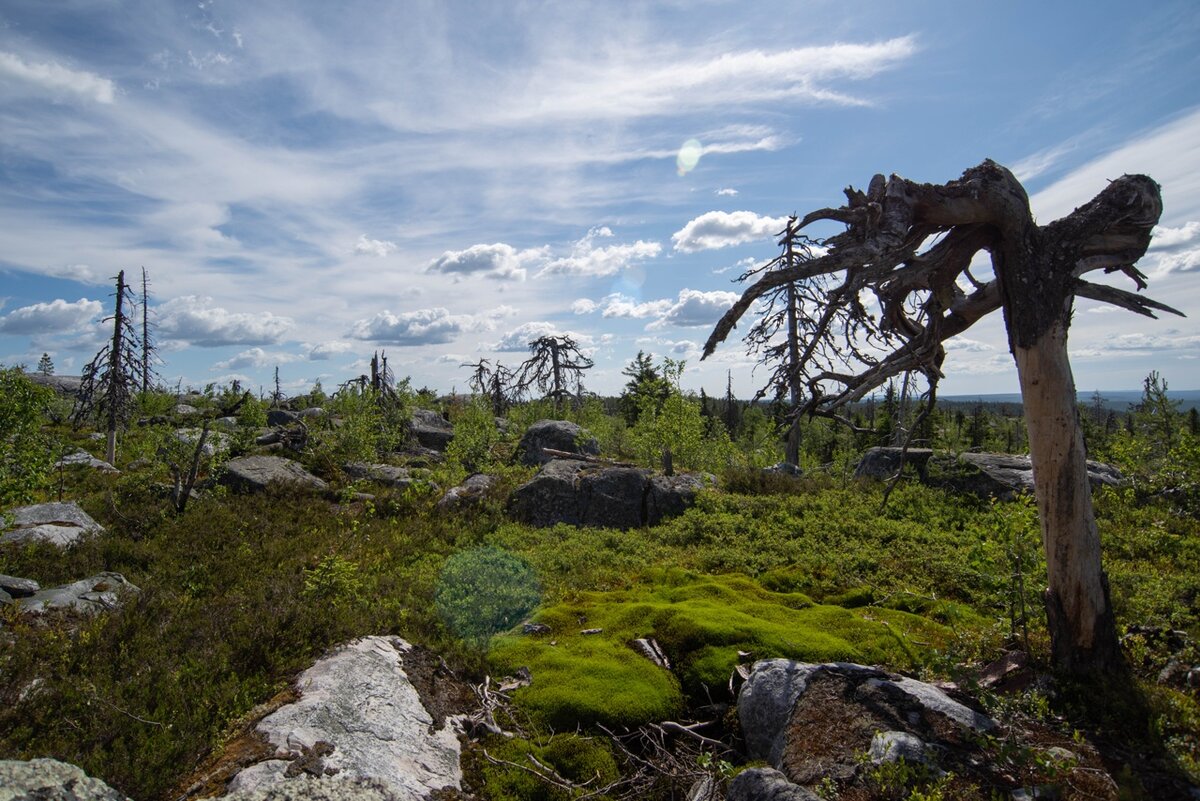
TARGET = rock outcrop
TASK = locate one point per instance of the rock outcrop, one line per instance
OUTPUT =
(358, 717)
(99, 593)
(256, 473)
(431, 430)
(51, 780)
(391, 475)
(60, 524)
(82, 458)
(559, 435)
(468, 493)
(585, 494)
(988, 475)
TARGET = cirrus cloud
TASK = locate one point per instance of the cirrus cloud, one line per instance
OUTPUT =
(56, 78)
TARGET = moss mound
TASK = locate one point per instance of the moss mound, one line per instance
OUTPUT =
(702, 622)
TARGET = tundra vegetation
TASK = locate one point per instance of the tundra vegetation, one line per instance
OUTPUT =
(242, 591)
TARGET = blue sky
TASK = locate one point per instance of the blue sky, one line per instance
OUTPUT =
(307, 182)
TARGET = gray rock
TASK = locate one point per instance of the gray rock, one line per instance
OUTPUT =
(784, 469)
(281, 417)
(226, 423)
(892, 746)
(671, 496)
(62, 384)
(311, 788)
(268, 438)
(431, 430)
(767, 784)
(51, 780)
(185, 410)
(81, 458)
(18, 587)
(584, 494)
(936, 701)
(468, 493)
(380, 473)
(559, 435)
(215, 441)
(311, 413)
(256, 473)
(358, 715)
(883, 462)
(766, 700)
(99, 593)
(5, 598)
(60, 524)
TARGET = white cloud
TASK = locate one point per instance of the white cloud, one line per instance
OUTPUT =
(1187, 261)
(436, 326)
(56, 317)
(1166, 238)
(695, 308)
(373, 247)
(57, 78)
(194, 319)
(741, 264)
(618, 305)
(589, 260)
(254, 357)
(965, 345)
(497, 260)
(727, 192)
(719, 229)
(1043, 160)
(323, 351)
(518, 339)
(584, 306)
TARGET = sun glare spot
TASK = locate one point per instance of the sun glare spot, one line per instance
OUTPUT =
(689, 156)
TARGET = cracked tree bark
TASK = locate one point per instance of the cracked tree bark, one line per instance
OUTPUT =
(1038, 272)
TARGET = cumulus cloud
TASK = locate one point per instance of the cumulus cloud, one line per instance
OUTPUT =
(323, 351)
(727, 192)
(720, 229)
(497, 260)
(254, 357)
(518, 339)
(1166, 238)
(373, 247)
(695, 308)
(194, 319)
(1177, 249)
(588, 259)
(57, 78)
(965, 345)
(741, 265)
(618, 305)
(584, 306)
(436, 326)
(56, 317)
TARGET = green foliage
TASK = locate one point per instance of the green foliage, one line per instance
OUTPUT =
(484, 591)
(26, 453)
(475, 434)
(373, 424)
(677, 423)
(332, 580)
(582, 760)
(646, 388)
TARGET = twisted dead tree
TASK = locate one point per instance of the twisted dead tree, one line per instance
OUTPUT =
(928, 296)
(493, 382)
(555, 366)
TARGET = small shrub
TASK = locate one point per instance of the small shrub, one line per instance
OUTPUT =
(485, 591)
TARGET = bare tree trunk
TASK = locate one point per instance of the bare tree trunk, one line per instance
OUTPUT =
(114, 371)
(1079, 613)
(792, 454)
(145, 332)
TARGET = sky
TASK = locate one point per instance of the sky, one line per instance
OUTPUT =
(306, 183)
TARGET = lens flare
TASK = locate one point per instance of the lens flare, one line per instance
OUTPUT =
(689, 156)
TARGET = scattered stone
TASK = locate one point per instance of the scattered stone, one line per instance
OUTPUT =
(892, 746)
(559, 435)
(226, 423)
(784, 469)
(534, 628)
(591, 631)
(359, 704)
(60, 524)
(585, 494)
(185, 410)
(431, 430)
(18, 587)
(51, 780)
(214, 442)
(99, 593)
(82, 458)
(766, 784)
(649, 648)
(311, 413)
(269, 438)
(468, 493)
(256, 473)
(380, 473)
(281, 417)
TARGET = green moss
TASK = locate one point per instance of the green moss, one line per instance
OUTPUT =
(702, 622)
(582, 760)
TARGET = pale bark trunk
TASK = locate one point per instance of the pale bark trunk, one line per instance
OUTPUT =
(1079, 613)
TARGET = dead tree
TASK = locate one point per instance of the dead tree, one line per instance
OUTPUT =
(110, 380)
(555, 366)
(492, 382)
(148, 350)
(788, 309)
(1038, 272)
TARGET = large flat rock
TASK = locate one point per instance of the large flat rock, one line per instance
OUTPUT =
(51, 780)
(256, 473)
(359, 716)
(99, 593)
(59, 524)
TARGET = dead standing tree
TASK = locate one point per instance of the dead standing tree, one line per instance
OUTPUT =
(1038, 273)
(493, 383)
(556, 364)
(111, 379)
